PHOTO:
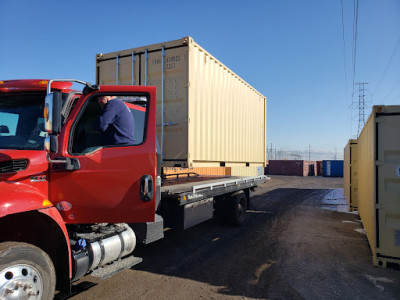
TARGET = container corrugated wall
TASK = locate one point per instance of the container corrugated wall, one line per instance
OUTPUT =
(227, 121)
(350, 174)
(212, 117)
(319, 168)
(292, 167)
(379, 183)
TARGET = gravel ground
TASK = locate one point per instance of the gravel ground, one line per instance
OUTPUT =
(294, 245)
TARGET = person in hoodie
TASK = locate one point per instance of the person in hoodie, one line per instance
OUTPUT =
(115, 121)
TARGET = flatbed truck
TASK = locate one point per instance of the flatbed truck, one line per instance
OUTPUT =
(71, 206)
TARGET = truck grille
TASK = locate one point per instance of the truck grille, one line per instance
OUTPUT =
(12, 166)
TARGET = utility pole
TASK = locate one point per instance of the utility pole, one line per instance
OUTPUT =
(361, 106)
(271, 152)
(335, 157)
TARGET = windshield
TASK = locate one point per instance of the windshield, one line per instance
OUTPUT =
(22, 122)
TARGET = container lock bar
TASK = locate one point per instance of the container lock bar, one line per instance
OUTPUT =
(162, 102)
(117, 68)
(133, 67)
(146, 55)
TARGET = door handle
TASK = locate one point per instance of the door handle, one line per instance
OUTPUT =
(146, 188)
(65, 164)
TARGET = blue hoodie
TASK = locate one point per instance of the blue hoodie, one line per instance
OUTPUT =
(116, 122)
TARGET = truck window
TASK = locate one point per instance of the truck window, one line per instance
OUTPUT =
(8, 124)
(87, 137)
(21, 122)
(139, 115)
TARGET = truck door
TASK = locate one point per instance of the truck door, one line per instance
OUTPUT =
(107, 183)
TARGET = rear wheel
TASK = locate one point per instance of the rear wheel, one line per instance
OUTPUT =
(238, 208)
(26, 272)
(231, 209)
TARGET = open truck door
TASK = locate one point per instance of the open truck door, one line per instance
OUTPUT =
(92, 182)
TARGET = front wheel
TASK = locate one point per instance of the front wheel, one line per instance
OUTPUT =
(26, 272)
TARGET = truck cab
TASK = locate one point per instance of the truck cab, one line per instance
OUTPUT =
(58, 179)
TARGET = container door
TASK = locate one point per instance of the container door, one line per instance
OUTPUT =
(112, 183)
(328, 168)
(388, 186)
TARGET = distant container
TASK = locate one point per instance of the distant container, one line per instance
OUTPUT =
(292, 167)
(379, 183)
(207, 116)
(319, 168)
(332, 168)
(350, 174)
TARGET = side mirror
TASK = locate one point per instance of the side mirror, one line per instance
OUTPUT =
(52, 113)
(51, 143)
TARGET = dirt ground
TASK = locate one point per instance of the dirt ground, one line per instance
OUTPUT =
(294, 245)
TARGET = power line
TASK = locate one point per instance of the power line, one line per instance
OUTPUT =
(344, 52)
(355, 25)
(396, 48)
(396, 85)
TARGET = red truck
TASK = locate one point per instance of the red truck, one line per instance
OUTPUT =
(70, 206)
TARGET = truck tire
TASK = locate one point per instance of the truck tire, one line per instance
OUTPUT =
(26, 272)
(238, 208)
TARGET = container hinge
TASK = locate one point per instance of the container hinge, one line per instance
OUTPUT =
(378, 206)
(379, 163)
(379, 120)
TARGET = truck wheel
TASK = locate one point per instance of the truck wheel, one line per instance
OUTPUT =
(26, 272)
(238, 208)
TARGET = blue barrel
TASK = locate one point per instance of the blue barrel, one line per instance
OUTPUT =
(332, 168)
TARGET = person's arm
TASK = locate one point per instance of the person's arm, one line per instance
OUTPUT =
(107, 117)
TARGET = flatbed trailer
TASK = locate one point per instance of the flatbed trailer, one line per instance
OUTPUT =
(188, 204)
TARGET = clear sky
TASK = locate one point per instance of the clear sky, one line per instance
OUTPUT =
(292, 51)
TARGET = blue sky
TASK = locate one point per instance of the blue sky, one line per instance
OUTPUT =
(291, 51)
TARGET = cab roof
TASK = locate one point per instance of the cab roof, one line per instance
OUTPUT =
(32, 85)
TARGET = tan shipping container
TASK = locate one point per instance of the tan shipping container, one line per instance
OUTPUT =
(379, 183)
(212, 117)
(350, 174)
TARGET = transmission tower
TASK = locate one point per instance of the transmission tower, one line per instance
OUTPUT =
(361, 106)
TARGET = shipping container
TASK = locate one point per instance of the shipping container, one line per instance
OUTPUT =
(332, 168)
(319, 168)
(292, 167)
(379, 183)
(350, 174)
(207, 116)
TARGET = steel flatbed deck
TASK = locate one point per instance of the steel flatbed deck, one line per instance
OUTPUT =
(186, 193)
